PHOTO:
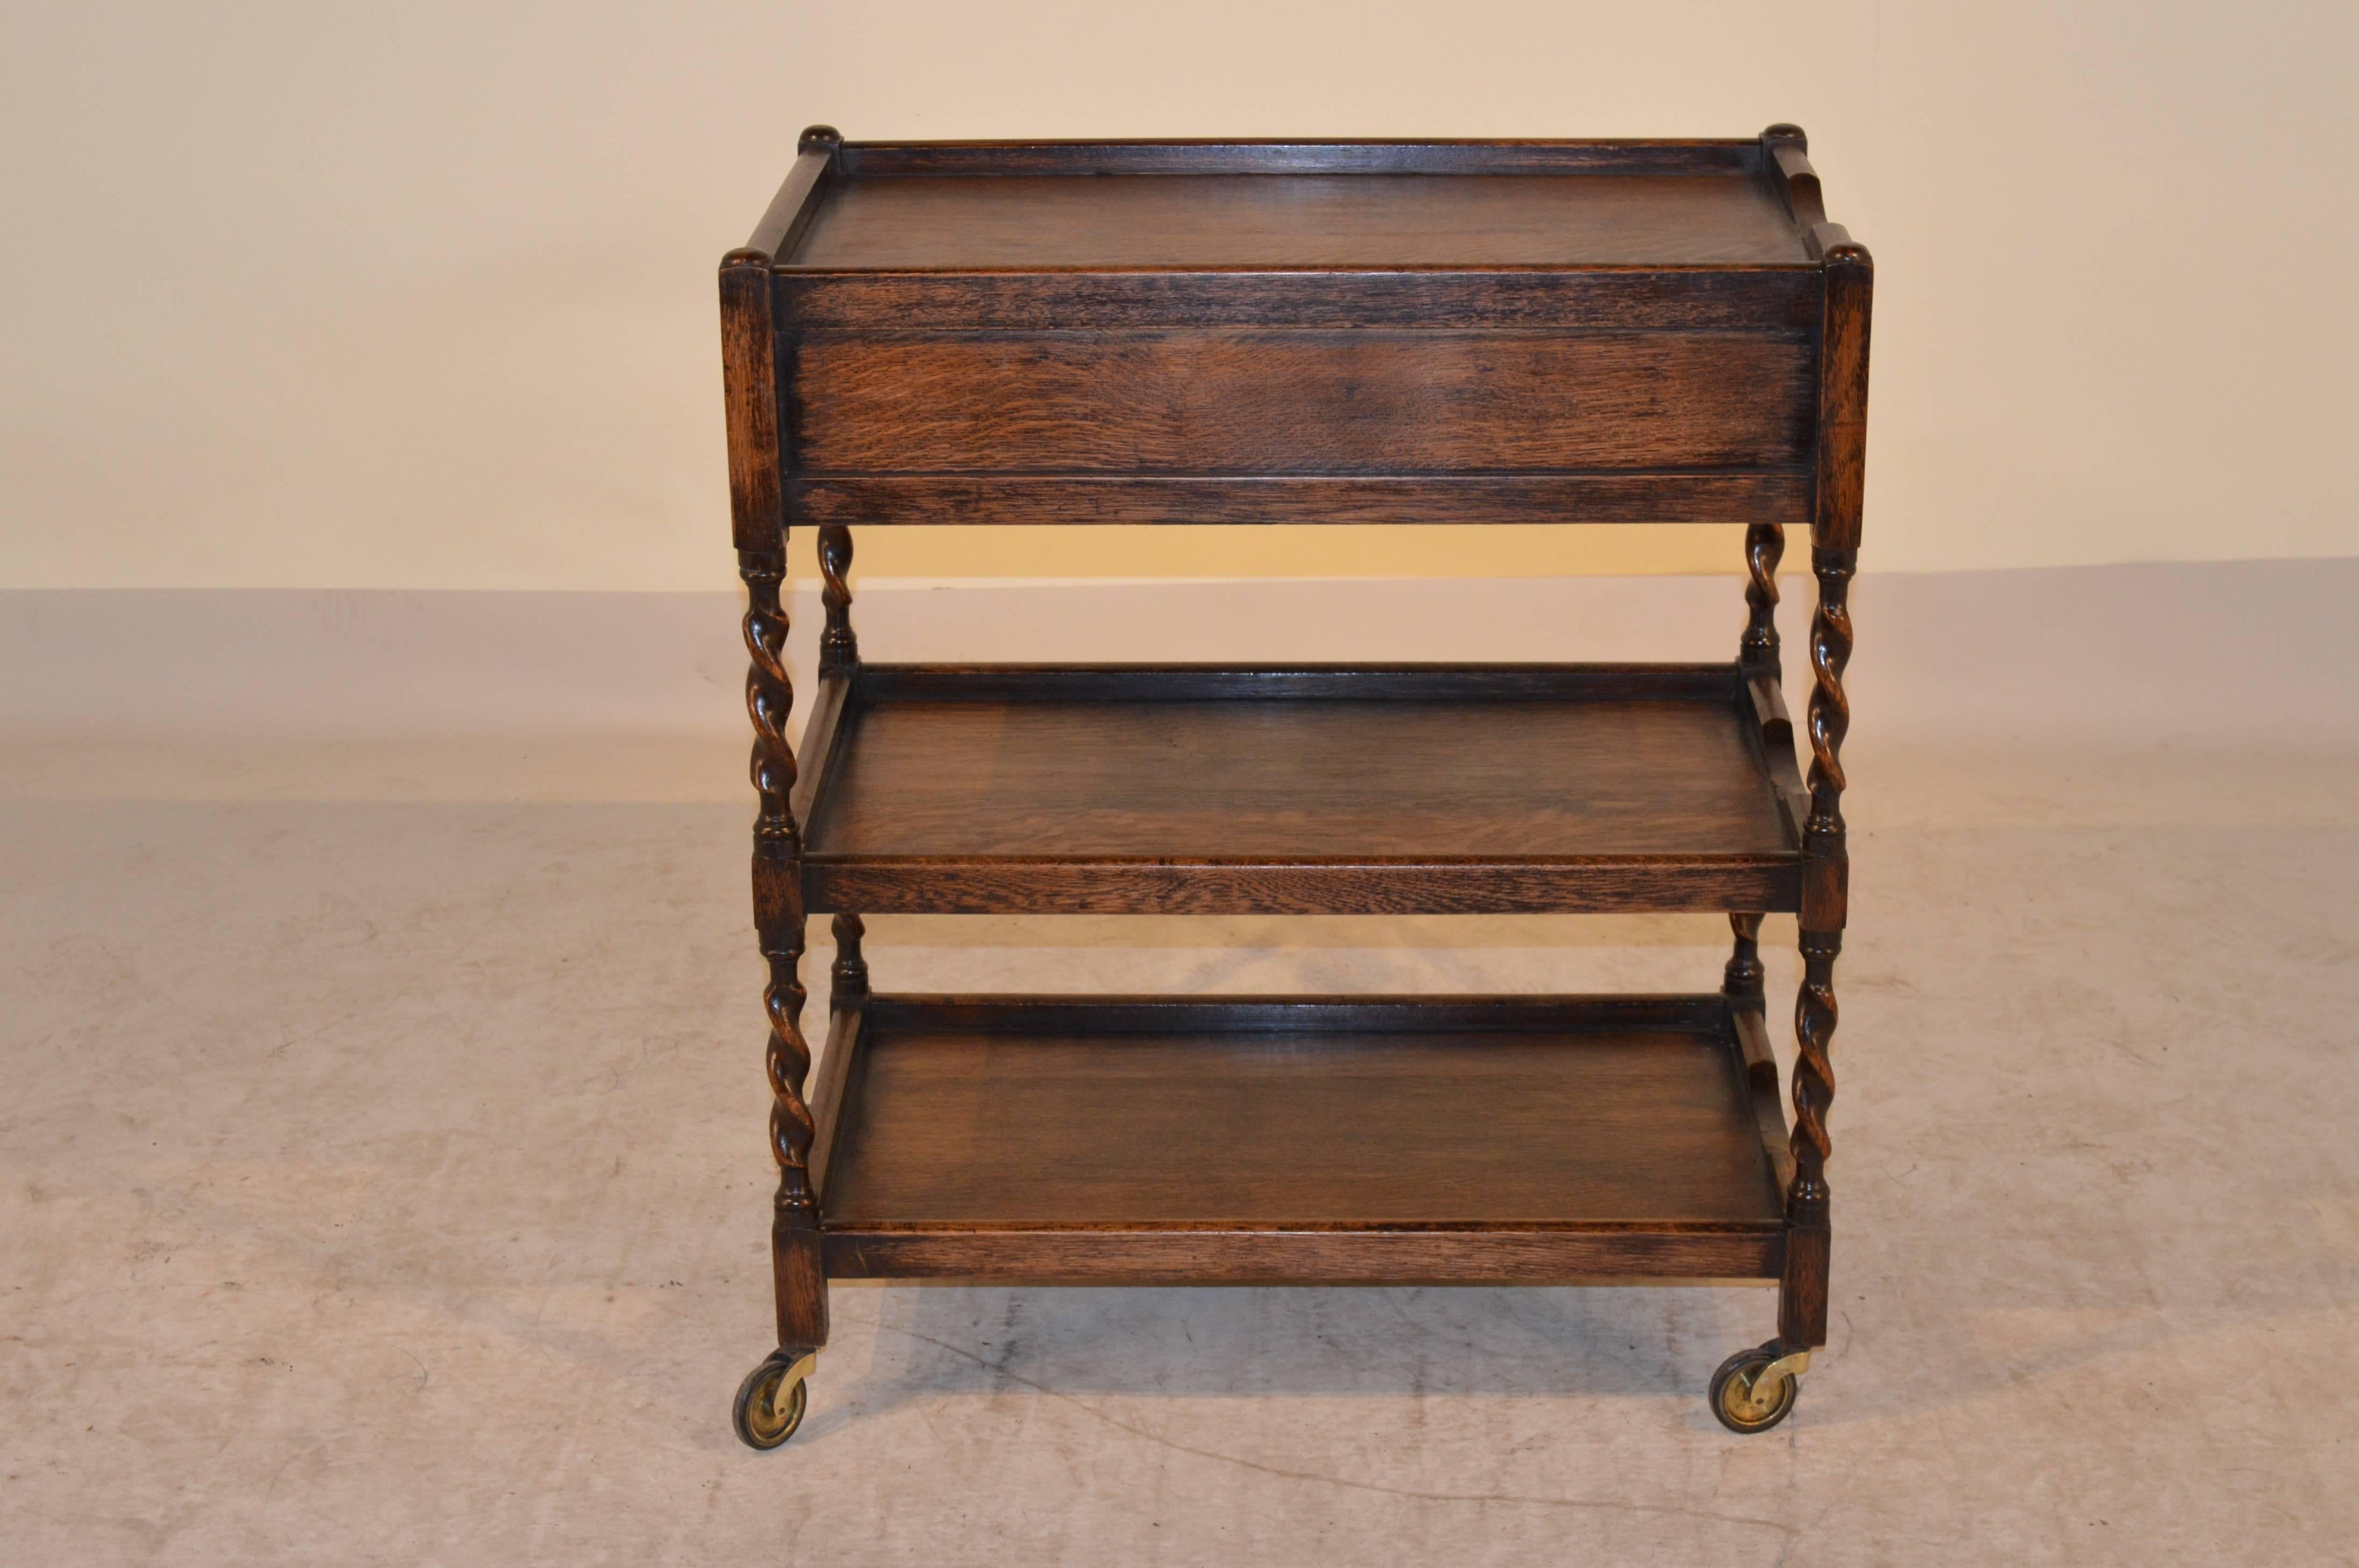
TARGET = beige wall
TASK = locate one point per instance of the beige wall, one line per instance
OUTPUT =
(421, 296)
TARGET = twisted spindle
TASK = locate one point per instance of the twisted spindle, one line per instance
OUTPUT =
(837, 645)
(1765, 546)
(777, 854)
(1823, 845)
(770, 696)
(1745, 978)
(1814, 1075)
(849, 977)
(788, 1059)
(1830, 714)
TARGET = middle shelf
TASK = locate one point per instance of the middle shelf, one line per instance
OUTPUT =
(1300, 789)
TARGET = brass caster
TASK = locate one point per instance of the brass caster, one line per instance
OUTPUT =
(1754, 1389)
(770, 1400)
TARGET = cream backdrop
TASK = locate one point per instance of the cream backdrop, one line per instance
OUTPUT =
(420, 297)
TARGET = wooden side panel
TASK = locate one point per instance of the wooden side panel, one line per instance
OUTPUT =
(749, 388)
(1608, 299)
(875, 160)
(1306, 1258)
(1301, 402)
(1662, 884)
(1842, 399)
(1741, 496)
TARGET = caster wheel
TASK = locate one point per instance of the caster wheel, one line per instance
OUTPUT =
(770, 1400)
(1754, 1389)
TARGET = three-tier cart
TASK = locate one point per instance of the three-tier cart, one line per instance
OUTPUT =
(1275, 332)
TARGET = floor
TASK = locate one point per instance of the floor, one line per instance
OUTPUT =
(385, 1183)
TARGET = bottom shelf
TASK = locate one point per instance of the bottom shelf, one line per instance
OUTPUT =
(1301, 1140)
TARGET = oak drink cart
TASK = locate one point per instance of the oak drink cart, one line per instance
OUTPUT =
(1276, 332)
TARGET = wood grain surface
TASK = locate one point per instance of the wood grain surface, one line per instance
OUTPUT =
(1214, 1118)
(1300, 402)
(1597, 218)
(1199, 789)
(1167, 332)
(1167, 499)
(1296, 780)
(1506, 1256)
(1610, 299)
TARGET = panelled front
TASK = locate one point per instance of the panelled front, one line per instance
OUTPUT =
(1564, 415)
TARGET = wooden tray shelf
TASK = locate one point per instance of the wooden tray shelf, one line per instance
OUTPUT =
(1305, 1140)
(1182, 333)
(1427, 789)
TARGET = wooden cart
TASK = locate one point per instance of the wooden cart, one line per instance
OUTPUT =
(1170, 332)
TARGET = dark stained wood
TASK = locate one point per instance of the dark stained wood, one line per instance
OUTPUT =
(838, 645)
(1802, 1292)
(1216, 1119)
(1786, 162)
(848, 976)
(1174, 788)
(1494, 1257)
(1163, 498)
(1761, 1082)
(1593, 219)
(1610, 299)
(1346, 156)
(1826, 882)
(1775, 730)
(1802, 1303)
(1757, 652)
(799, 1280)
(792, 210)
(1113, 1013)
(822, 728)
(749, 391)
(844, 1021)
(1176, 332)
(1843, 395)
(1321, 778)
(1297, 401)
(778, 929)
(1274, 683)
(945, 885)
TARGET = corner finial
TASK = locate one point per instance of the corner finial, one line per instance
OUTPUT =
(819, 139)
(1782, 131)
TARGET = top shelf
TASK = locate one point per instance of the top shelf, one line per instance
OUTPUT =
(1196, 222)
(1279, 206)
(1047, 332)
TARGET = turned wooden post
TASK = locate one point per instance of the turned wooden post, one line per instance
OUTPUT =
(838, 648)
(838, 656)
(1756, 653)
(1743, 981)
(1765, 546)
(1834, 557)
(749, 359)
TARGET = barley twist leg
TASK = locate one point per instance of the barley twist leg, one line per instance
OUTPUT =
(1803, 1307)
(780, 929)
(837, 645)
(1764, 545)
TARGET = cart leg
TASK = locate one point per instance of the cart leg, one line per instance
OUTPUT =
(801, 1278)
(1802, 1296)
(1826, 893)
(1754, 1390)
(771, 1403)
